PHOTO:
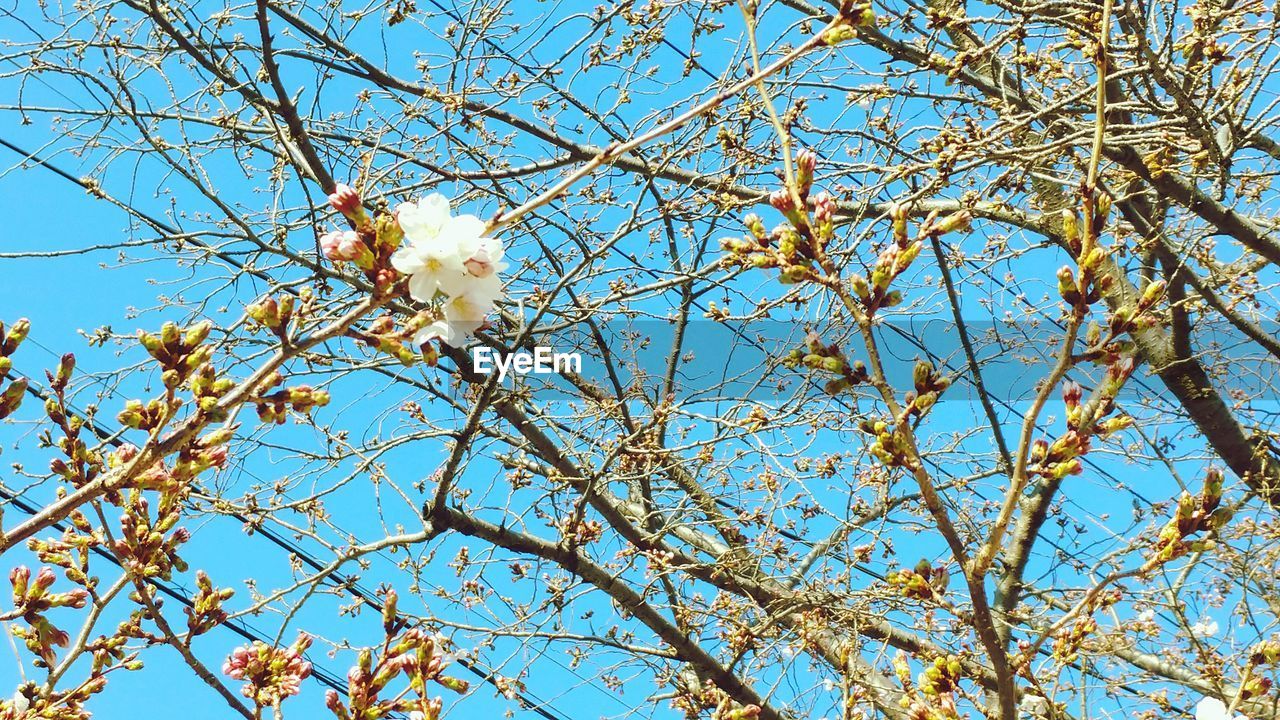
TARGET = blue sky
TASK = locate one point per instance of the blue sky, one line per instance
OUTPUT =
(71, 294)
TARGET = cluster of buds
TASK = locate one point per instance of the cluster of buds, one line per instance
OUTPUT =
(942, 676)
(853, 15)
(71, 552)
(156, 477)
(1195, 514)
(32, 599)
(180, 352)
(874, 292)
(889, 446)
(1129, 318)
(581, 532)
(82, 464)
(1060, 458)
(396, 340)
(694, 696)
(924, 582)
(1085, 422)
(206, 610)
(791, 247)
(207, 452)
(12, 394)
(1094, 420)
(273, 315)
(30, 701)
(817, 355)
(271, 674)
(1085, 288)
(207, 389)
(1068, 643)
(369, 244)
(146, 417)
(929, 385)
(274, 407)
(412, 653)
(347, 201)
(935, 705)
(1255, 685)
(150, 548)
(784, 248)
(1082, 237)
(346, 246)
(1266, 652)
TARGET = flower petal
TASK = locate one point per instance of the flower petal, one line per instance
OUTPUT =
(423, 286)
(1211, 709)
(407, 260)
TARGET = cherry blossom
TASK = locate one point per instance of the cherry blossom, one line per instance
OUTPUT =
(450, 261)
(1205, 628)
(436, 246)
(464, 312)
(272, 674)
(1214, 709)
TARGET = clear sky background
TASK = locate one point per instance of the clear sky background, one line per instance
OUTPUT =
(71, 292)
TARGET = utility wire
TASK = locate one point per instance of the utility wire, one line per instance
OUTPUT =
(526, 699)
(541, 708)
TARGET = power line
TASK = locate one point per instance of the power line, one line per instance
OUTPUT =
(527, 700)
(349, 585)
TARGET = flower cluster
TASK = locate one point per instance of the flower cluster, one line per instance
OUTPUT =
(410, 652)
(271, 674)
(922, 583)
(1195, 514)
(817, 355)
(32, 599)
(448, 258)
(11, 396)
(934, 697)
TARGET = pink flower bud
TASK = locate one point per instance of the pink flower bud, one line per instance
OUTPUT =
(782, 201)
(480, 264)
(20, 576)
(807, 162)
(341, 245)
(217, 457)
(1072, 393)
(345, 199)
(44, 579)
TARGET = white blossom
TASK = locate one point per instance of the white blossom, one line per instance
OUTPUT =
(1146, 616)
(437, 244)
(1033, 704)
(1214, 709)
(464, 312)
(1204, 628)
(20, 702)
(447, 255)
